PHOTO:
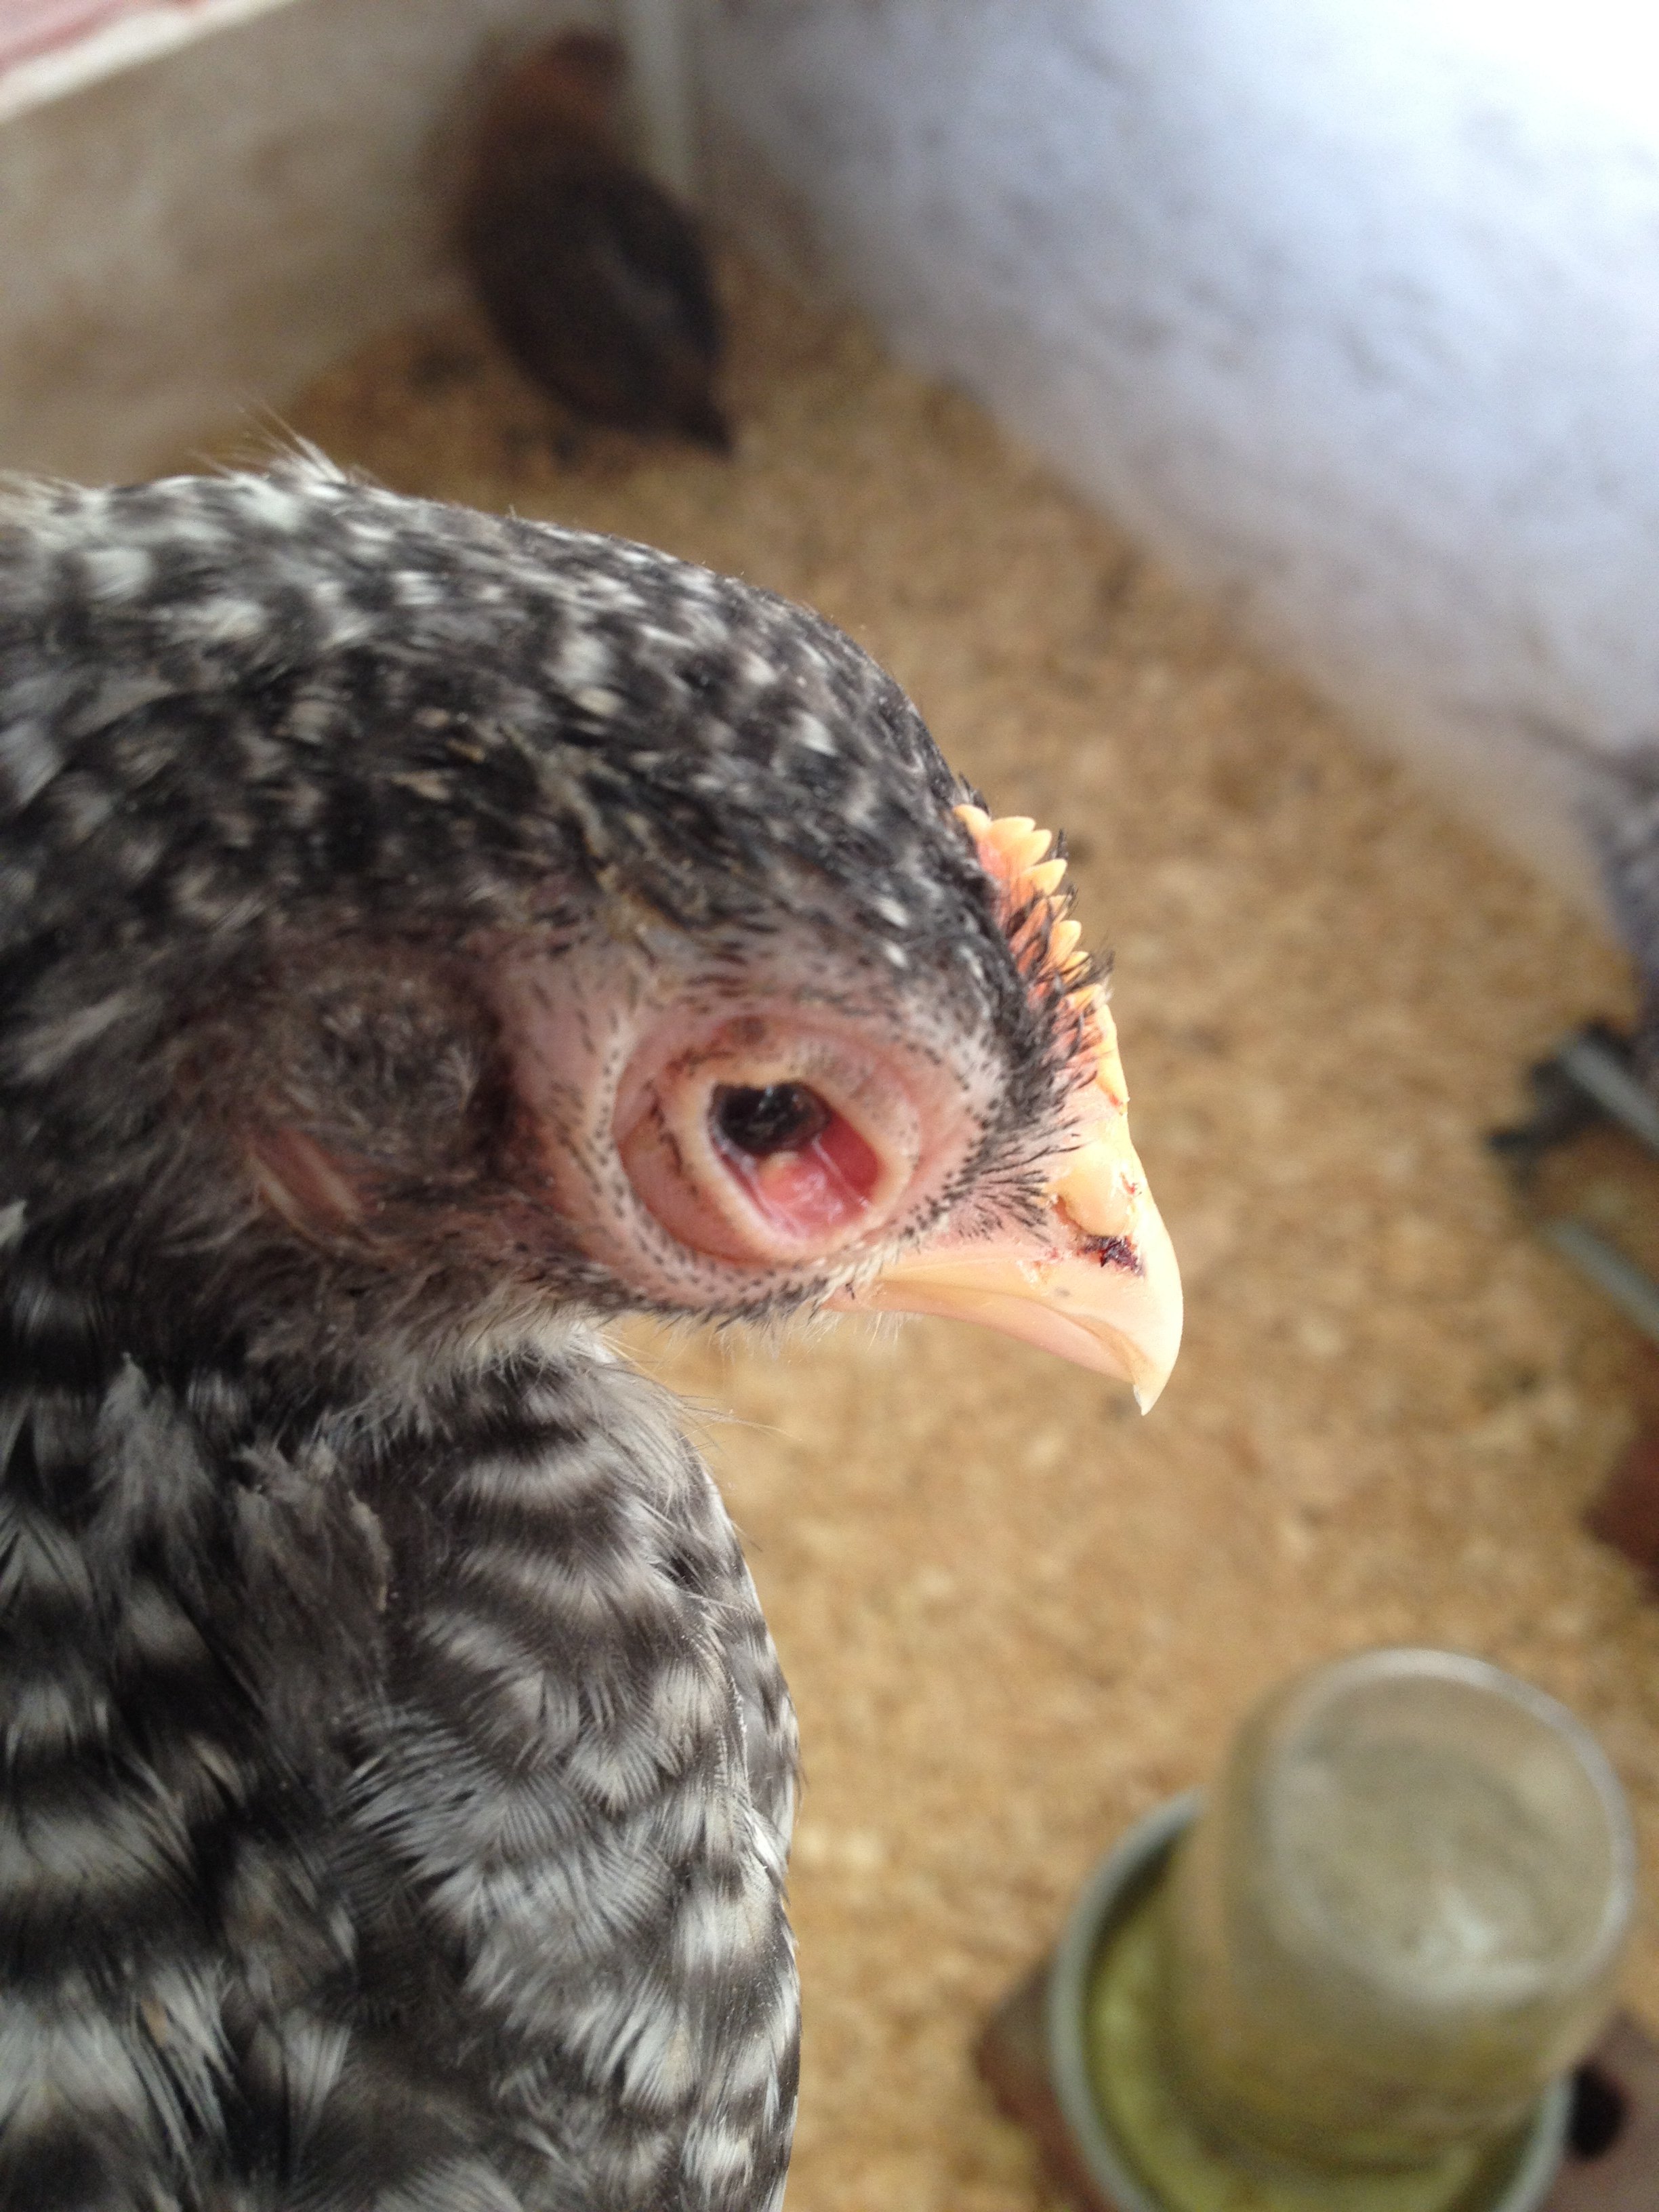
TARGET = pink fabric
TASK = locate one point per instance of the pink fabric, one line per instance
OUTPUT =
(28, 27)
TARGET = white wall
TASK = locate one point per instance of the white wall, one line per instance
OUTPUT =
(1351, 311)
(189, 237)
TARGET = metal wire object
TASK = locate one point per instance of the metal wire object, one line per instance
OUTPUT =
(1587, 1080)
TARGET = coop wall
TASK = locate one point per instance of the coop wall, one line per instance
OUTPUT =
(201, 208)
(1350, 315)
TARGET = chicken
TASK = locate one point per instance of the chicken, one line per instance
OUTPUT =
(423, 935)
(594, 279)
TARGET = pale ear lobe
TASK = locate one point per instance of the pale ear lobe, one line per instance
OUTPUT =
(303, 1183)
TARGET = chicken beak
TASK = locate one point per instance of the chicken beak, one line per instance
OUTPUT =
(1096, 1282)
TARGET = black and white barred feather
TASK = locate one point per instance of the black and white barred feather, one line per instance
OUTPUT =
(397, 1772)
(393, 1819)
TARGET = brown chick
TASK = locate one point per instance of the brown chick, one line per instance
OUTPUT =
(595, 279)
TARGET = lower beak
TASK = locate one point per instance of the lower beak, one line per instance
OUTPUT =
(1096, 1282)
(1121, 1316)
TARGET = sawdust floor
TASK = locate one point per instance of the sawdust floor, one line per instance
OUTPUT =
(1014, 1614)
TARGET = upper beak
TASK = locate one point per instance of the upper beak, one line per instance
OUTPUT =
(1096, 1282)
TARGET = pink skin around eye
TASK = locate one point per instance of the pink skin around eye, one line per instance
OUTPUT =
(814, 1191)
(618, 1094)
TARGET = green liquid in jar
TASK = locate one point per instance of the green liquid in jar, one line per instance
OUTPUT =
(1189, 2171)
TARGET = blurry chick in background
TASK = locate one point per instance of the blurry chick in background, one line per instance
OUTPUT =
(594, 279)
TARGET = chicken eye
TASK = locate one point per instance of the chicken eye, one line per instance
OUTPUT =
(766, 1142)
(774, 1117)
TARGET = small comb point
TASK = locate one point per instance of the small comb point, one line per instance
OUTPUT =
(1015, 851)
(1013, 843)
(1027, 849)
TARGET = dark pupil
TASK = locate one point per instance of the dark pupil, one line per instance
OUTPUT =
(778, 1118)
